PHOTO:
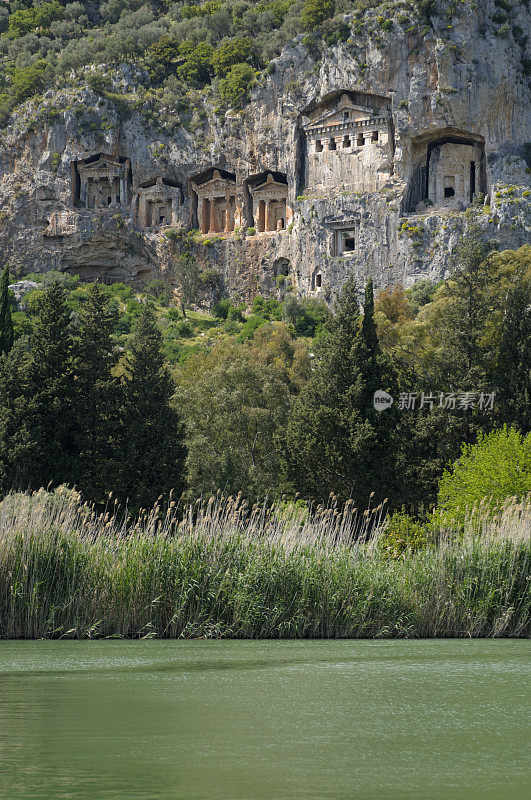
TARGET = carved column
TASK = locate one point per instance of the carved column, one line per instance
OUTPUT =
(268, 215)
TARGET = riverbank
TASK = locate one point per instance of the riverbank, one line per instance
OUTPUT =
(227, 571)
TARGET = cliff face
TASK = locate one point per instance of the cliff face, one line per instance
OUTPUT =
(370, 157)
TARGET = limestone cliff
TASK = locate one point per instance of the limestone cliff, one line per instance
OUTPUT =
(369, 157)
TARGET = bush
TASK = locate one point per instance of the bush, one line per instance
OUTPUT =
(231, 52)
(269, 309)
(197, 68)
(29, 81)
(184, 329)
(306, 316)
(234, 89)
(250, 326)
(236, 314)
(314, 12)
(497, 467)
(221, 308)
(402, 534)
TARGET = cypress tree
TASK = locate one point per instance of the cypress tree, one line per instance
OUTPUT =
(336, 442)
(49, 406)
(96, 395)
(6, 321)
(153, 450)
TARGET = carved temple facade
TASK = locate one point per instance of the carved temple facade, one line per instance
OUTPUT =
(102, 181)
(349, 142)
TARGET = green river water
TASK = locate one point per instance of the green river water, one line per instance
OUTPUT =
(265, 720)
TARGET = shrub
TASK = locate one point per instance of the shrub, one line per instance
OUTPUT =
(24, 21)
(234, 89)
(28, 81)
(314, 12)
(269, 309)
(221, 308)
(495, 468)
(250, 326)
(236, 314)
(197, 68)
(402, 534)
(184, 329)
(99, 83)
(231, 52)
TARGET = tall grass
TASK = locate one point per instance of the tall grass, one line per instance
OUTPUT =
(226, 570)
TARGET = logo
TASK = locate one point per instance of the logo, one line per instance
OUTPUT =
(382, 400)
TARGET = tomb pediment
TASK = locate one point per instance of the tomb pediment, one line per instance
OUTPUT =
(270, 187)
(346, 114)
(217, 185)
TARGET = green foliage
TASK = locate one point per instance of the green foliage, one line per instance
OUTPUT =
(97, 396)
(314, 12)
(99, 83)
(6, 321)
(234, 89)
(403, 534)
(163, 57)
(240, 50)
(421, 292)
(251, 324)
(307, 316)
(497, 467)
(234, 407)
(187, 275)
(221, 308)
(196, 70)
(152, 457)
(267, 308)
(336, 442)
(28, 81)
(26, 20)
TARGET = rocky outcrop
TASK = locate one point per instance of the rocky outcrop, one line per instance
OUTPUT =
(436, 142)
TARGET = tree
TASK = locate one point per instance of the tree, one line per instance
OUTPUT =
(236, 408)
(187, 274)
(97, 395)
(46, 409)
(6, 321)
(152, 452)
(496, 467)
(314, 12)
(336, 441)
(469, 302)
(513, 358)
(197, 67)
(240, 50)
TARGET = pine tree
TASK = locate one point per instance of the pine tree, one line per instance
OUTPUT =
(47, 407)
(96, 395)
(15, 443)
(336, 441)
(153, 450)
(6, 321)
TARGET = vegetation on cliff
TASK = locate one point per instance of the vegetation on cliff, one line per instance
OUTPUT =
(181, 48)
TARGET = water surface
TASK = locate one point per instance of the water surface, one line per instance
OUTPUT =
(325, 720)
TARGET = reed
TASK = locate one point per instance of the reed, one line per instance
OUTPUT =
(227, 570)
